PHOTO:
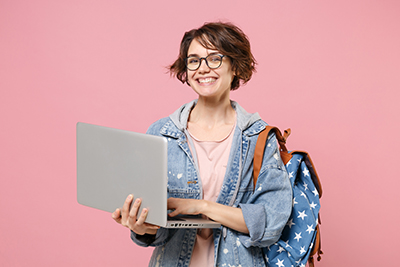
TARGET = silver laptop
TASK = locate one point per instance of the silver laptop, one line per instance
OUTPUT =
(113, 163)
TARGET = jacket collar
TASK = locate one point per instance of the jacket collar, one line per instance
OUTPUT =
(248, 123)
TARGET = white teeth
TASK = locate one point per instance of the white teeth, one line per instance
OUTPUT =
(207, 80)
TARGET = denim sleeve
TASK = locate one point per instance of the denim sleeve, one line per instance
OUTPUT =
(153, 241)
(268, 209)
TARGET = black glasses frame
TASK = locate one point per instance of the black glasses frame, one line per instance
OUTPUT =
(205, 59)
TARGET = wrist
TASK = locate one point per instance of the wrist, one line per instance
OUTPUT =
(204, 207)
(151, 232)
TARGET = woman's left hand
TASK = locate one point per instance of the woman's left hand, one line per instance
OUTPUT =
(185, 206)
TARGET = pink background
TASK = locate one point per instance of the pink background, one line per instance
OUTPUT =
(330, 70)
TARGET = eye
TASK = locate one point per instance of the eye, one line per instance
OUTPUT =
(193, 60)
(214, 58)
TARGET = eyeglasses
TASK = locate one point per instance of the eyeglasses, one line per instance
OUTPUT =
(213, 61)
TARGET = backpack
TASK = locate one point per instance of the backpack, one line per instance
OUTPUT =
(300, 239)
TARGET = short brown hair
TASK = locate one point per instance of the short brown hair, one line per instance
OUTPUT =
(227, 39)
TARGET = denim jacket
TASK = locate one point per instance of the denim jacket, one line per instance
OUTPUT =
(266, 208)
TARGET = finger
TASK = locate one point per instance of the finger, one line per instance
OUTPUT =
(133, 213)
(173, 213)
(142, 217)
(125, 207)
(151, 226)
(116, 215)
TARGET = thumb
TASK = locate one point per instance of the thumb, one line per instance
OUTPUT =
(173, 213)
(116, 215)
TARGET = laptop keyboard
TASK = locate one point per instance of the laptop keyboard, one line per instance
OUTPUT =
(174, 219)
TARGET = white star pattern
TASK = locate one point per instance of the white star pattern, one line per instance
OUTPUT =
(287, 244)
(280, 263)
(302, 250)
(313, 205)
(302, 215)
(290, 223)
(310, 228)
(290, 174)
(303, 195)
(305, 186)
(281, 249)
(290, 162)
(298, 236)
(315, 192)
(306, 172)
(294, 202)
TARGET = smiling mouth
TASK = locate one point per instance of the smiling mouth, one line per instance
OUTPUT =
(206, 80)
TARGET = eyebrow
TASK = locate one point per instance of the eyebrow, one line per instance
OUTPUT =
(196, 55)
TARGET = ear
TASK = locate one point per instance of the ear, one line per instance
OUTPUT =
(234, 70)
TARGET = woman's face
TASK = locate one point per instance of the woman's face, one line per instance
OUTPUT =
(207, 82)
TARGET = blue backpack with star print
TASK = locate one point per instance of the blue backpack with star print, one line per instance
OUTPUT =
(300, 239)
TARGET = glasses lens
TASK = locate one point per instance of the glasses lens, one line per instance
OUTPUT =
(214, 61)
(192, 63)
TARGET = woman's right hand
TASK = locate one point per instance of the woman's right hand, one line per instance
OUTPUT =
(131, 220)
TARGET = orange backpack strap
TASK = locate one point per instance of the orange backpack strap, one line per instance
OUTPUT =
(260, 147)
(317, 248)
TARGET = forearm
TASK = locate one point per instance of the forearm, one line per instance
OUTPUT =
(228, 216)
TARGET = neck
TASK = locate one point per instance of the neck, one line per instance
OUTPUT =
(212, 112)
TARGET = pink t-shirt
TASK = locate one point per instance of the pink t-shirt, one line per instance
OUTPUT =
(212, 157)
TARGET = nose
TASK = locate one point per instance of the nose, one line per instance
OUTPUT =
(203, 66)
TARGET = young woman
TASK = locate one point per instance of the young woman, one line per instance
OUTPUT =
(211, 147)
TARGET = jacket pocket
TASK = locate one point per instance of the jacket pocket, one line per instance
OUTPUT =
(183, 193)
